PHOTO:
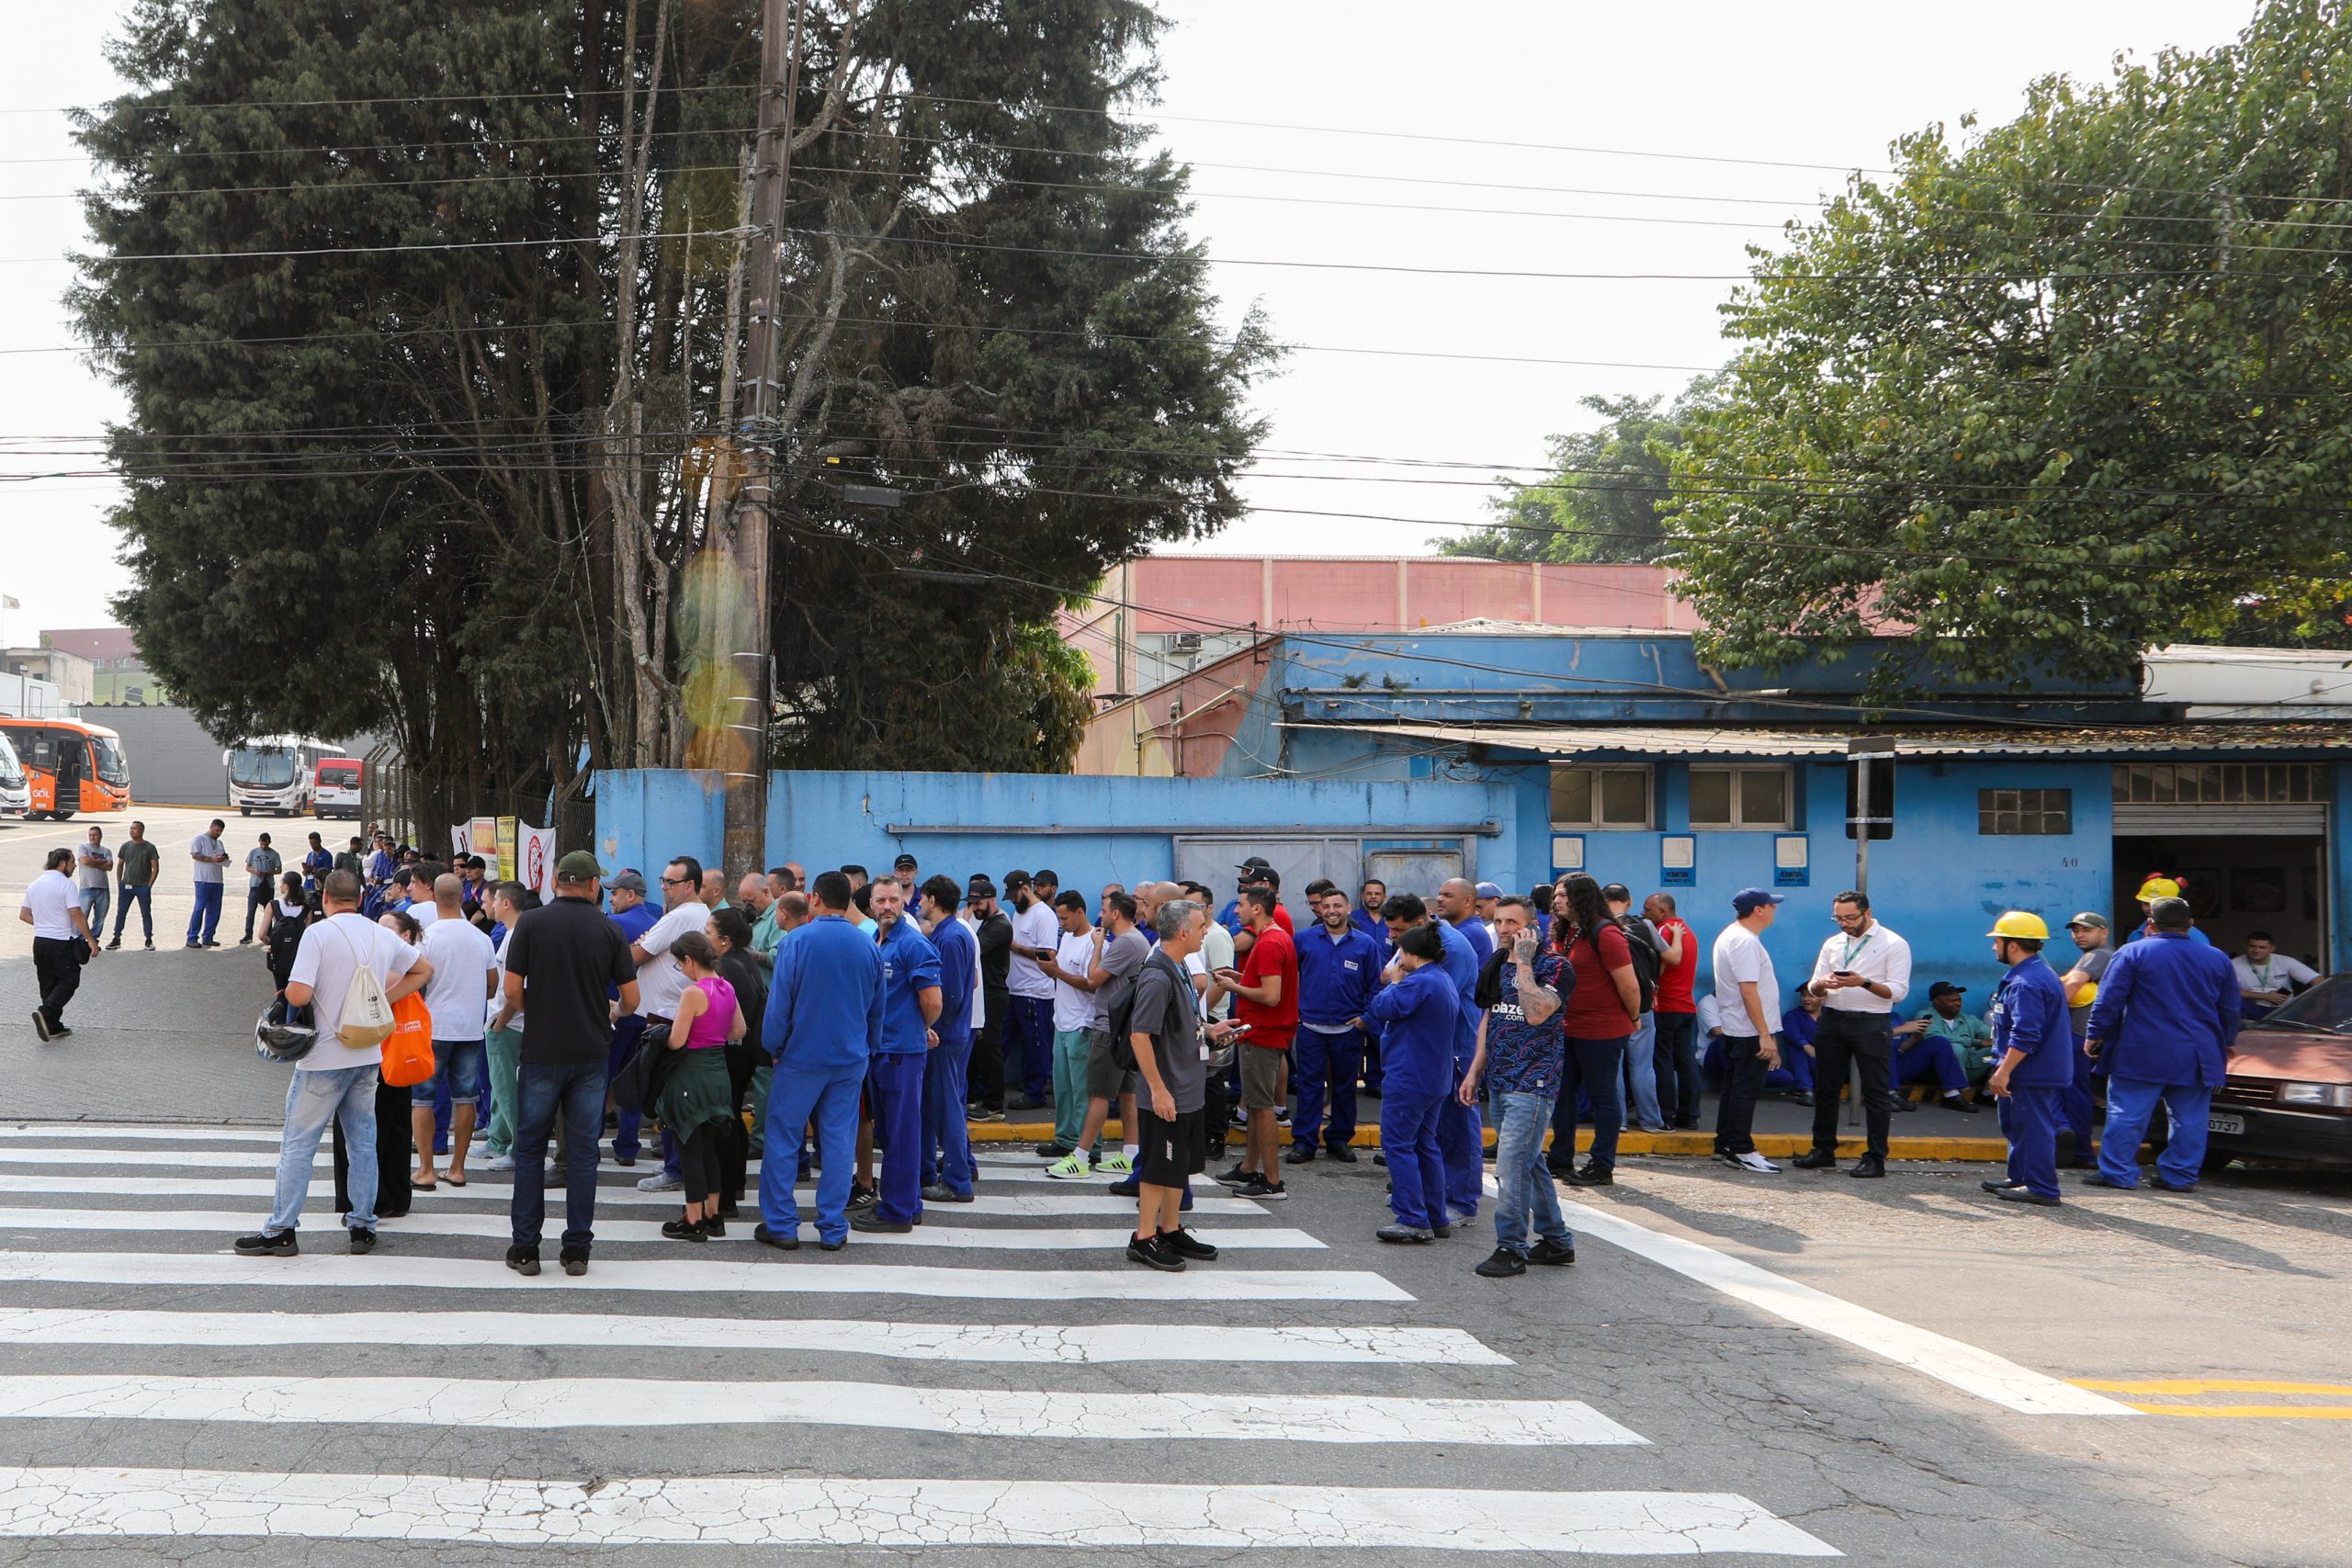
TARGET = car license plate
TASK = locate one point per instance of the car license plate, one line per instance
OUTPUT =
(2233, 1125)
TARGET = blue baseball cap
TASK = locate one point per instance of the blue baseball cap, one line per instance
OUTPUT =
(1488, 890)
(1748, 900)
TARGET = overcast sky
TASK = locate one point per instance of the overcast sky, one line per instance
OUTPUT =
(1627, 107)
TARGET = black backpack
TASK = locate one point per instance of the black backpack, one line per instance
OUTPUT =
(1119, 1006)
(1648, 962)
(285, 939)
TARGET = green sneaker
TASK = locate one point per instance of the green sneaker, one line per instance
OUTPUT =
(1114, 1164)
(1069, 1167)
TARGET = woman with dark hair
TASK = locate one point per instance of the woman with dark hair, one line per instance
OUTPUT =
(282, 923)
(694, 1103)
(731, 932)
(1599, 1017)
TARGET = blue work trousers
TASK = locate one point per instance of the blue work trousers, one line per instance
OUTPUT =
(543, 1091)
(1028, 1036)
(205, 918)
(1416, 1169)
(2130, 1104)
(2029, 1120)
(1524, 1196)
(894, 1094)
(2079, 1103)
(1462, 1143)
(1323, 1064)
(626, 1033)
(946, 1127)
(1931, 1056)
(794, 1098)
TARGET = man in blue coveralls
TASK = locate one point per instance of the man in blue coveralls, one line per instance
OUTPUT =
(946, 1134)
(910, 1005)
(2036, 1068)
(1339, 969)
(2167, 1014)
(1461, 1130)
(824, 1027)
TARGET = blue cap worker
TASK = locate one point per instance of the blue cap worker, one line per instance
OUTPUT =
(912, 1003)
(2167, 1015)
(2037, 1058)
(1419, 1015)
(824, 1028)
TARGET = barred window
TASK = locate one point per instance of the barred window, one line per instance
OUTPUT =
(2038, 812)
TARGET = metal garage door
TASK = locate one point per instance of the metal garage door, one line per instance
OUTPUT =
(1214, 862)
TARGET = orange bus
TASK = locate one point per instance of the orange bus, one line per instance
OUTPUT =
(69, 766)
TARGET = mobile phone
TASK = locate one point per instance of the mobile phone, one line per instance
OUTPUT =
(1841, 974)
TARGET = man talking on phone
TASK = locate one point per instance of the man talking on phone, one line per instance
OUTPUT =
(1862, 973)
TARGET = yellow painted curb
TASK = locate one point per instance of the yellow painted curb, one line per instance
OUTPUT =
(1697, 1146)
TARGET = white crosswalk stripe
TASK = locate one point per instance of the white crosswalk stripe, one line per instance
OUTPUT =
(183, 1331)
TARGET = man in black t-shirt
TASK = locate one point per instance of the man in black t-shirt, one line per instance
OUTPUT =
(560, 959)
(992, 928)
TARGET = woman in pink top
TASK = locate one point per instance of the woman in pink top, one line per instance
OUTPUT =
(695, 1103)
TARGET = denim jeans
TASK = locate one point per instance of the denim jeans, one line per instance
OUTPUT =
(1523, 1184)
(1677, 1055)
(144, 897)
(93, 908)
(1596, 1066)
(312, 1101)
(1640, 1074)
(458, 1069)
(576, 1090)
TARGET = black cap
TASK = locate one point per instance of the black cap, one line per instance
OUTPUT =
(979, 887)
(1946, 988)
(903, 859)
(1256, 863)
(1013, 879)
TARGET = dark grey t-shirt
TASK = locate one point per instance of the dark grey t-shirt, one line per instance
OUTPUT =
(1122, 955)
(2093, 964)
(1165, 1009)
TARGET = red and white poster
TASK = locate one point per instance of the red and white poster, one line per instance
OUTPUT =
(535, 851)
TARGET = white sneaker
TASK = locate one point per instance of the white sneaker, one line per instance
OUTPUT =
(500, 1162)
(1753, 1161)
(660, 1181)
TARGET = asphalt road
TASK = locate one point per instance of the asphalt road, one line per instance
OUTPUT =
(1887, 1370)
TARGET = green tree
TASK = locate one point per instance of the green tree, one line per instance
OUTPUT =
(456, 466)
(1605, 493)
(2077, 387)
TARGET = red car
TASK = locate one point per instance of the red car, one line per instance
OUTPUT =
(2289, 1091)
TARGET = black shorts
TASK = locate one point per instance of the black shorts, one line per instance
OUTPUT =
(1168, 1152)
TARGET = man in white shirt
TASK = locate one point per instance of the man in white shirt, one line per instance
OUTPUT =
(1746, 990)
(334, 1081)
(2266, 977)
(1027, 1037)
(660, 981)
(205, 851)
(465, 977)
(62, 942)
(1862, 973)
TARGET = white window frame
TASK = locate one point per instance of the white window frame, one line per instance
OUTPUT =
(1739, 824)
(1648, 775)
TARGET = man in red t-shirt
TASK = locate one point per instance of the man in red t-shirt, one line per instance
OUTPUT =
(1677, 1045)
(1265, 993)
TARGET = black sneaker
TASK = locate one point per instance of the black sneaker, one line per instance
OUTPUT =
(1594, 1174)
(982, 1113)
(1301, 1153)
(1271, 1191)
(1131, 1188)
(1153, 1252)
(1342, 1152)
(767, 1237)
(210, 943)
(116, 945)
(1184, 1244)
(715, 1227)
(862, 1198)
(1504, 1265)
(1867, 1167)
(244, 941)
(150, 947)
(1552, 1254)
(40, 1025)
(362, 1242)
(1050, 1150)
(866, 1220)
(940, 1192)
(524, 1260)
(1403, 1235)
(683, 1230)
(1966, 1107)
(265, 1244)
(1281, 1117)
(57, 1031)
(1816, 1159)
(1442, 1232)
(1236, 1177)
(575, 1260)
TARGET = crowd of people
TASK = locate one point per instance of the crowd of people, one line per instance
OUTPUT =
(852, 1027)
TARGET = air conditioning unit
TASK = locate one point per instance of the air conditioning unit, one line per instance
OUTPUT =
(1184, 642)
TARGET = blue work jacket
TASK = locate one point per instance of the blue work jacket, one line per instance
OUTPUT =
(959, 961)
(1376, 928)
(1461, 963)
(1418, 1016)
(2028, 1014)
(1336, 975)
(2168, 1012)
(825, 1002)
(910, 964)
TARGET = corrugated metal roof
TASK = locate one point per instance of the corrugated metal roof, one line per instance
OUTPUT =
(1804, 741)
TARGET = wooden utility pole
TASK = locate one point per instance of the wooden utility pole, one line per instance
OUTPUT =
(750, 702)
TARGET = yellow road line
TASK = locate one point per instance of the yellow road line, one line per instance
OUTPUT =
(2211, 1385)
(2252, 1412)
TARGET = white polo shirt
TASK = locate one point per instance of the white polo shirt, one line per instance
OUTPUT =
(1877, 954)
(659, 980)
(52, 900)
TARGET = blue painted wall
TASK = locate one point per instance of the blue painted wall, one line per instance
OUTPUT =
(1090, 830)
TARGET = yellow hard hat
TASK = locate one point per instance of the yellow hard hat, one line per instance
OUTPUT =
(2084, 995)
(2022, 925)
(2157, 887)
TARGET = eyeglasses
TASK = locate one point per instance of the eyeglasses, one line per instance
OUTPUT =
(677, 882)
